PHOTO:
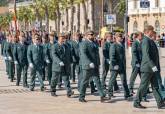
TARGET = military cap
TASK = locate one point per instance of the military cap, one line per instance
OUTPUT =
(62, 34)
(90, 32)
(118, 34)
(52, 34)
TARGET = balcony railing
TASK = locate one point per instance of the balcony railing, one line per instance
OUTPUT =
(19, 4)
(144, 11)
(154, 10)
(133, 12)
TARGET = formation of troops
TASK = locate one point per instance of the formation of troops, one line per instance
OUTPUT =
(66, 58)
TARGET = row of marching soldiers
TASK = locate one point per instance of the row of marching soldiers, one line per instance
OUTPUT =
(59, 59)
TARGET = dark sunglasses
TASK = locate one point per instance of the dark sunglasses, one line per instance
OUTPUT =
(91, 34)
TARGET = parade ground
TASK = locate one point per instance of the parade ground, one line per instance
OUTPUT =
(17, 100)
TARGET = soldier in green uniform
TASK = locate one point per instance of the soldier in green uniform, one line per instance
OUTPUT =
(4, 52)
(68, 52)
(9, 51)
(20, 59)
(106, 59)
(149, 68)
(161, 87)
(47, 61)
(90, 61)
(136, 59)
(118, 66)
(60, 65)
(75, 55)
(35, 57)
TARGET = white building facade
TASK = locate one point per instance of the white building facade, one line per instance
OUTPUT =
(140, 17)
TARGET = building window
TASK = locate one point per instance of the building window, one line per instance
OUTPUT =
(135, 4)
(157, 3)
(145, 24)
(157, 27)
(135, 26)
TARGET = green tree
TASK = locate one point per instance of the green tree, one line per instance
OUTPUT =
(121, 8)
(5, 20)
(25, 15)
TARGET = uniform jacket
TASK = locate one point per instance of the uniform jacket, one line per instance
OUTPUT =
(150, 55)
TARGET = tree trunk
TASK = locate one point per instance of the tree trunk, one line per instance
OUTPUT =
(92, 14)
(55, 21)
(38, 19)
(67, 20)
(47, 18)
(85, 15)
(110, 6)
(72, 17)
(78, 17)
(58, 20)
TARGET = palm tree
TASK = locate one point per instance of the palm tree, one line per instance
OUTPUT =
(26, 16)
(85, 14)
(5, 20)
(36, 6)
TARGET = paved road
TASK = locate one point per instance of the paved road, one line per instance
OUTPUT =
(17, 100)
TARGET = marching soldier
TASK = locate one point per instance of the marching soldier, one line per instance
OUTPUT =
(161, 87)
(149, 68)
(89, 55)
(75, 55)
(60, 66)
(4, 51)
(35, 57)
(118, 66)
(47, 61)
(136, 59)
(106, 59)
(20, 60)
(9, 51)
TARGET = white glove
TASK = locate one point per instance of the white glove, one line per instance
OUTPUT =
(91, 65)
(15, 62)
(154, 69)
(9, 58)
(138, 65)
(116, 67)
(47, 61)
(61, 64)
(109, 62)
(5, 58)
(31, 65)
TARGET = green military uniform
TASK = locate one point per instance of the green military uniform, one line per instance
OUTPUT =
(60, 55)
(89, 54)
(4, 54)
(35, 57)
(69, 60)
(48, 62)
(9, 50)
(80, 73)
(21, 62)
(75, 58)
(136, 62)
(117, 58)
(158, 74)
(150, 59)
(106, 60)
(68, 52)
